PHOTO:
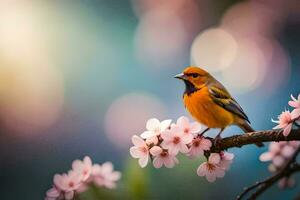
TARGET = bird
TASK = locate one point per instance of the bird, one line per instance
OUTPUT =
(209, 102)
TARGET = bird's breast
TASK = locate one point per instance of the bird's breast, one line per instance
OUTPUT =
(206, 111)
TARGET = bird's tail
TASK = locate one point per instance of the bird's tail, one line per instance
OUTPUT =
(247, 128)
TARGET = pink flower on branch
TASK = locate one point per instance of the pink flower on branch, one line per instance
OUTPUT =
(198, 146)
(295, 103)
(176, 140)
(68, 183)
(78, 179)
(140, 150)
(286, 182)
(188, 127)
(83, 168)
(155, 128)
(226, 160)
(105, 176)
(53, 194)
(285, 121)
(163, 157)
(211, 169)
(279, 153)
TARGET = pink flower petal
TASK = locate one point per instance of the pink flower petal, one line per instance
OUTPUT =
(211, 177)
(278, 161)
(195, 128)
(228, 156)
(147, 134)
(58, 181)
(53, 193)
(135, 152)
(156, 150)
(183, 148)
(169, 162)
(137, 141)
(165, 124)
(183, 122)
(152, 124)
(287, 151)
(152, 140)
(202, 169)
(220, 173)
(157, 162)
(293, 104)
(214, 158)
(287, 130)
(107, 167)
(143, 161)
(205, 144)
(87, 160)
(187, 138)
(295, 113)
(174, 150)
(267, 156)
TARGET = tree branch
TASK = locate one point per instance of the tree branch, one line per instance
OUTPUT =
(290, 168)
(254, 137)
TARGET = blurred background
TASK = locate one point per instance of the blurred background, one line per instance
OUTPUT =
(81, 77)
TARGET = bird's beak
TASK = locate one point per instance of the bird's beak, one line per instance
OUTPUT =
(181, 76)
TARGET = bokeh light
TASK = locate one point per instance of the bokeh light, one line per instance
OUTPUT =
(32, 90)
(164, 32)
(242, 19)
(214, 49)
(155, 39)
(128, 115)
(248, 68)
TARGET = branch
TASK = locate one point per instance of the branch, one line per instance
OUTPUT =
(254, 137)
(290, 168)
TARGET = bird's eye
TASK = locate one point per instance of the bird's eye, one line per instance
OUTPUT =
(195, 75)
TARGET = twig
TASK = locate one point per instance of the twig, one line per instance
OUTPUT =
(252, 138)
(290, 168)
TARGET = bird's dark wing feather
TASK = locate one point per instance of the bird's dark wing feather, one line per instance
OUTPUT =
(221, 97)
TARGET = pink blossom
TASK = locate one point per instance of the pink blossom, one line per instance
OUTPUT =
(163, 157)
(68, 183)
(274, 149)
(285, 122)
(226, 160)
(104, 175)
(279, 153)
(278, 161)
(53, 194)
(140, 150)
(155, 127)
(198, 146)
(211, 169)
(176, 140)
(188, 127)
(286, 182)
(152, 140)
(295, 103)
(84, 168)
(287, 151)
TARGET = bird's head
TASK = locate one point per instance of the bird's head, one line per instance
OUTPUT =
(194, 78)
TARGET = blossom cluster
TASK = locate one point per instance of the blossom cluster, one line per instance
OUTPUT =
(286, 119)
(77, 180)
(163, 141)
(278, 154)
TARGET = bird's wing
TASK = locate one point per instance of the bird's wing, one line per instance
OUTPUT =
(221, 97)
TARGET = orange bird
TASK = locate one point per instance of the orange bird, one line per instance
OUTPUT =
(210, 103)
